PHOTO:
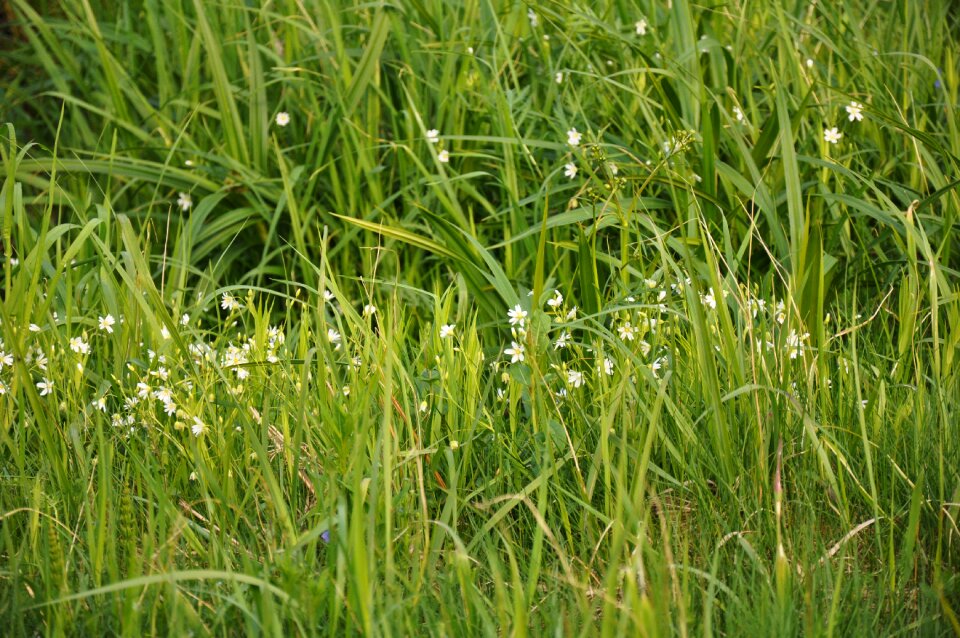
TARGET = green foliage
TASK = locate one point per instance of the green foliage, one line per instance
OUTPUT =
(257, 372)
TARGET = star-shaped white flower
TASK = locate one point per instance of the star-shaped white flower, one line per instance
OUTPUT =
(832, 135)
(570, 170)
(283, 118)
(433, 136)
(574, 137)
(517, 315)
(515, 352)
(855, 111)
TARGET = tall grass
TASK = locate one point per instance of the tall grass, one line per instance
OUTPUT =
(736, 410)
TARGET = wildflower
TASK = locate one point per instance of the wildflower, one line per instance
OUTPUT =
(709, 300)
(164, 395)
(184, 201)
(809, 63)
(106, 323)
(443, 156)
(626, 331)
(570, 170)
(198, 427)
(170, 408)
(45, 387)
(832, 135)
(164, 332)
(283, 118)
(6, 359)
(334, 338)
(738, 113)
(575, 378)
(855, 111)
(78, 345)
(369, 310)
(572, 315)
(794, 343)
(562, 341)
(515, 351)
(185, 319)
(517, 315)
(34, 328)
(99, 404)
(608, 366)
(433, 136)
(533, 17)
(500, 394)
(446, 330)
(3, 388)
(556, 301)
(574, 137)
(558, 77)
(657, 365)
(229, 302)
(346, 390)
(424, 406)
(641, 26)
(327, 295)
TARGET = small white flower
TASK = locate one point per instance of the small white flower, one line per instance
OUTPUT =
(446, 330)
(627, 332)
(346, 390)
(198, 427)
(164, 395)
(809, 63)
(185, 319)
(35, 328)
(570, 170)
(164, 332)
(556, 301)
(641, 26)
(515, 352)
(574, 137)
(517, 315)
(794, 343)
(575, 378)
(369, 310)
(433, 136)
(170, 408)
(855, 111)
(832, 135)
(229, 302)
(533, 17)
(327, 295)
(572, 315)
(334, 338)
(562, 341)
(107, 323)
(443, 156)
(608, 366)
(45, 387)
(78, 345)
(283, 118)
(738, 113)
(3, 388)
(558, 77)
(100, 404)
(184, 201)
(709, 300)
(6, 359)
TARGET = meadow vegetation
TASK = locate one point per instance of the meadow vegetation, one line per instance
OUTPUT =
(479, 317)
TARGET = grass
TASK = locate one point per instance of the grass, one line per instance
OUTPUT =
(261, 379)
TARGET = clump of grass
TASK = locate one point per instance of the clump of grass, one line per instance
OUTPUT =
(351, 319)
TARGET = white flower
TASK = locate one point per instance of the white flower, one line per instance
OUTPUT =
(346, 390)
(433, 136)
(334, 338)
(3, 388)
(515, 351)
(185, 319)
(283, 118)
(164, 332)
(794, 343)
(107, 323)
(532, 16)
(45, 387)
(558, 77)
(198, 427)
(517, 315)
(170, 408)
(443, 156)
(562, 341)
(572, 315)
(641, 26)
(608, 366)
(446, 330)
(556, 301)
(369, 310)
(574, 137)
(627, 332)
(78, 345)
(100, 404)
(327, 295)
(709, 300)
(229, 302)
(35, 328)
(809, 63)
(855, 111)
(570, 170)
(164, 395)
(832, 135)
(738, 113)
(575, 378)
(6, 359)
(184, 201)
